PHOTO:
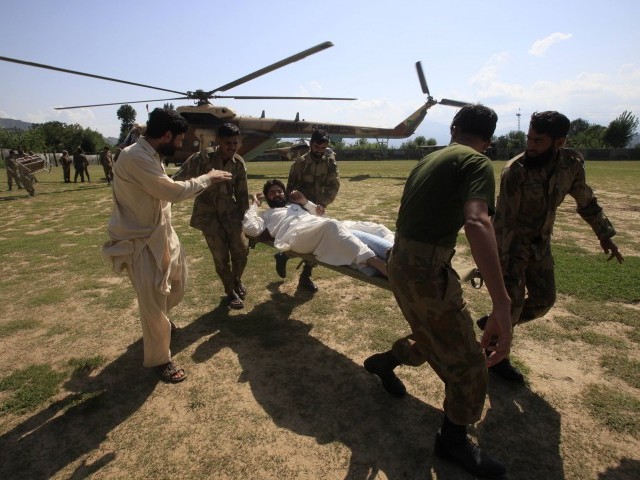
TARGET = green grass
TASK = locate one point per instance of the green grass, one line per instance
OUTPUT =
(29, 388)
(63, 303)
(618, 411)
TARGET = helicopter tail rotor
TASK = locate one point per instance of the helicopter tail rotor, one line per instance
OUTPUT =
(425, 90)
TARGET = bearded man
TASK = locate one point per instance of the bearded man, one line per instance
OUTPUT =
(532, 187)
(316, 176)
(142, 241)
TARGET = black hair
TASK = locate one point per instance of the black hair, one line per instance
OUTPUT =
(552, 123)
(270, 183)
(319, 136)
(476, 120)
(162, 120)
(227, 130)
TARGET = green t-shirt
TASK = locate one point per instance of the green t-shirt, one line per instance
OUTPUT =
(432, 205)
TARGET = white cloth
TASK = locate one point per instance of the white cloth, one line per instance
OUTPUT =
(294, 228)
(142, 197)
(143, 242)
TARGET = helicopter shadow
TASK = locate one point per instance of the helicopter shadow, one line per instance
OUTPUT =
(312, 390)
(629, 469)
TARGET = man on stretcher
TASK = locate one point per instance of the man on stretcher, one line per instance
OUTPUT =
(295, 224)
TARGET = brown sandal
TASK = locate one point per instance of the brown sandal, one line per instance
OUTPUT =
(234, 301)
(171, 373)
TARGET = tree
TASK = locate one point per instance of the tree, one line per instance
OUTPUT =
(514, 141)
(127, 114)
(621, 130)
(591, 137)
(578, 126)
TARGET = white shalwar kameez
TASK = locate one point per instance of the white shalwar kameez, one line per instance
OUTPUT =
(144, 243)
(294, 228)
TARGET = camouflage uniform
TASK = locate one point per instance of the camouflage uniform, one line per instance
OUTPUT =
(12, 172)
(318, 180)
(218, 213)
(425, 285)
(526, 212)
(107, 164)
(80, 164)
(65, 161)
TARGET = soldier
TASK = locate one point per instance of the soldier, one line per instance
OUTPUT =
(459, 180)
(80, 164)
(142, 239)
(12, 171)
(532, 187)
(65, 161)
(107, 164)
(315, 175)
(219, 210)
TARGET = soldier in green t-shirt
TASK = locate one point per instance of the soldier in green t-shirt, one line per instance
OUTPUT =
(447, 190)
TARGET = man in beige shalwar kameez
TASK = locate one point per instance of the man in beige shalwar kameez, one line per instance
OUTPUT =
(142, 240)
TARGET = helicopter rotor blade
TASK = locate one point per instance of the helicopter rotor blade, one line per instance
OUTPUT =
(74, 72)
(271, 97)
(423, 80)
(453, 103)
(121, 103)
(274, 66)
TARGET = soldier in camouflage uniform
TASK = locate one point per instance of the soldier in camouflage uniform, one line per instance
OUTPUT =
(315, 174)
(80, 164)
(532, 187)
(107, 164)
(65, 161)
(219, 210)
(12, 171)
(449, 189)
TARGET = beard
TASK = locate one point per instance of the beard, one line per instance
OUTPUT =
(166, 149)
(539, 160)
(277, 202)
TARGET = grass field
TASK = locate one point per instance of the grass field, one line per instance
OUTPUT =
(277, 390)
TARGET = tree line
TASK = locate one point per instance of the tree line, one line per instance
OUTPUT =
(584, 135)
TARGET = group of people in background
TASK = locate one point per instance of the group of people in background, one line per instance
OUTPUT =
(449, 189)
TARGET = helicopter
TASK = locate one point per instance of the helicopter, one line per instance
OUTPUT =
(258, 133)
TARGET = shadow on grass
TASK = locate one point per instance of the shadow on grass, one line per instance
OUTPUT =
(305, 387)
(313, 390)
(629, 469)
(76, 425)
(523, 430)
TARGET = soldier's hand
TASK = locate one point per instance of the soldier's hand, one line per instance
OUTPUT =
(608, 246)
(497, 337)
(217, 176)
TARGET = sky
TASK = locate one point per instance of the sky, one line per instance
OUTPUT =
(581, 58)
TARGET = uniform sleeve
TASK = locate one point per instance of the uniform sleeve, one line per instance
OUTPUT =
(295, 177)
(331, 185)
(252, 224)
(241, 188)
(191, 168)
(587, 203)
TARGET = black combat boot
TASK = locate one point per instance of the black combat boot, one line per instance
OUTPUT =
(305, 281)
(382, 365)
(453, 445)
(503, 369)
(281, 264)
(506, 371)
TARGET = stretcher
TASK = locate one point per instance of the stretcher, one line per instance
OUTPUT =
(466, 272)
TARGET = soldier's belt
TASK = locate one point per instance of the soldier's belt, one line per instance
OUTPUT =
(431, 253)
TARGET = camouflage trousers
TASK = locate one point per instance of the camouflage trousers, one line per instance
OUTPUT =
(429, 294)
(229, 248)
(524, 274)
